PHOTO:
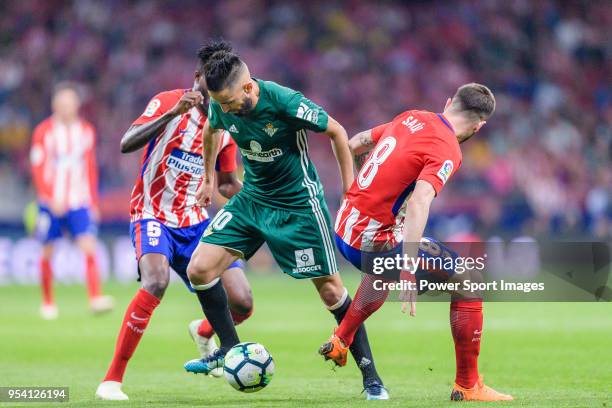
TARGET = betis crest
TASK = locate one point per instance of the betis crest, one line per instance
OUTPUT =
(270, 129)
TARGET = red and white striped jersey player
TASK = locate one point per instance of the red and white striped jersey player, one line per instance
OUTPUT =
(385, 212)
(166, 222)
(65, 175)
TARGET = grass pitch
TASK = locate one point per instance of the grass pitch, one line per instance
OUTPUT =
(545, 354)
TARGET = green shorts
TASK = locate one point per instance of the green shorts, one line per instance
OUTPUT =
(300, 241)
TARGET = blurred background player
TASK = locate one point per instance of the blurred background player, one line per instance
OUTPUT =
(166, 223)
(65, 178)
(386, 210)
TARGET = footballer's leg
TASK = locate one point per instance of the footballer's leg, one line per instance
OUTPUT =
(240, 300)
(232, 234)
(302, 246)
(82, 227)
(155, 275)
(151, 240)
(466, 329)
(368, 299)
(97, 302)
(239, 292)
(47, 230)
(335, 296)
(204, 271)
(465, 320)
(48, 309)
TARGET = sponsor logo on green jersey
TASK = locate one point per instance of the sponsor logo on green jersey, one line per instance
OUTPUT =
(270, 129)
(256, 154)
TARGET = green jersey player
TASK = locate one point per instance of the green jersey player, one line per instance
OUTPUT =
(281, 202)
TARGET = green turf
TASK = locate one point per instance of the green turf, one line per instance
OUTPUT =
(545, 354)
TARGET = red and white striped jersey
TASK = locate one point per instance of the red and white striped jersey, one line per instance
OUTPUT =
(172, 165)
(416, 145)
(63, 163)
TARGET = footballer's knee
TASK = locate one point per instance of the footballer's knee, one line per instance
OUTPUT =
(154, 274)
(87, 244)
(331, 292)
(198, 272)
(473, 276)
(207, 264)
(156, 288)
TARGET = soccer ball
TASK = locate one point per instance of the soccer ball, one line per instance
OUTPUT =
(248, 367)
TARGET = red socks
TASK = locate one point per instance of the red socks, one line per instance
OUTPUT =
(466, 326)
(367, 301)
(134, 324)
(206, 330)
(46, 281)
(92, 277)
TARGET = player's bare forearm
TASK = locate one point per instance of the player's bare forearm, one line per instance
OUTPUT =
(417, 212)
(361, 144)
(340, 147)
(138, 136)
(228, 184)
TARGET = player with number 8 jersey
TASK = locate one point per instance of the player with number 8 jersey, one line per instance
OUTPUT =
(384, 215)
(416, 145)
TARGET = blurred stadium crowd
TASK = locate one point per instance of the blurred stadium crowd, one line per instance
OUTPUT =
(540, 167)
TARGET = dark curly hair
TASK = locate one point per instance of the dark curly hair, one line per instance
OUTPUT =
(219, 64)
(206, 51)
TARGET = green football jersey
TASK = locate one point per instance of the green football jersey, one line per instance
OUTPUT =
(272, 141)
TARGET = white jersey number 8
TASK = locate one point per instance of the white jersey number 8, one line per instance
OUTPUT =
(379, 155)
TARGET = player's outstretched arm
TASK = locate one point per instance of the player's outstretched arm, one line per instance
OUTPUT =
(211, 139)
(361, 144)
(340, 146)
(417, 212)
(138, 136)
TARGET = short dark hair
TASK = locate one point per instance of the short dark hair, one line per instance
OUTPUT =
(207, 50)
(67, 85)
(475, 99)
(220, 64)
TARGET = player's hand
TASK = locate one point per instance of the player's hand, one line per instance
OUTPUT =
(408, 296)
(187, 101)
(205, 193)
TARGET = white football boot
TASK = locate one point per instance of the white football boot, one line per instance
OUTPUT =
(49, 311)
(110, 391)
(101, 304)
